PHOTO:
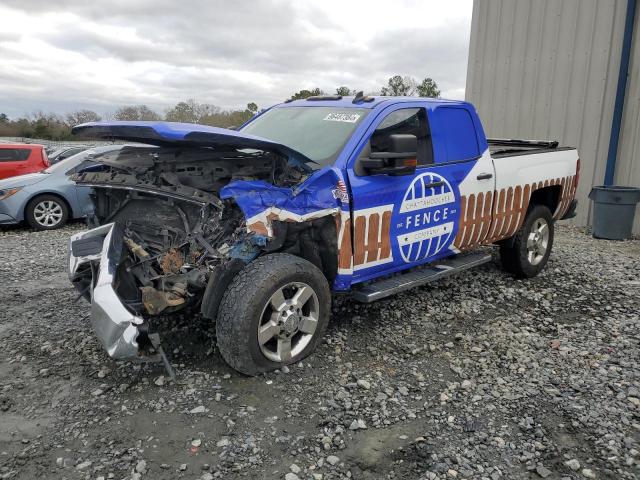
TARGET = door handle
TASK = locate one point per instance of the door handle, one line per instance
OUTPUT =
(434, 184)
(485, 176)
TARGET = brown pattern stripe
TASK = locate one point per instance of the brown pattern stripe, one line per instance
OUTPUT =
(385, 247)
(345, 253)
(502, 212)
(367, 230)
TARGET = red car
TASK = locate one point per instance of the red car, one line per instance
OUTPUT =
(20, 159)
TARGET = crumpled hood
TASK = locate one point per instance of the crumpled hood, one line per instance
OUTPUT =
(183, 134)
(22, 180)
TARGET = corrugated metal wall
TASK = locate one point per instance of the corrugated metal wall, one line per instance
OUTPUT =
(628, 165)
(548, 69)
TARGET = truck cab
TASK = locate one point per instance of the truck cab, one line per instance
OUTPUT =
(404, 164)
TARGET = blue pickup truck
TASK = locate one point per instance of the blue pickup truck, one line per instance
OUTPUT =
(254, 228)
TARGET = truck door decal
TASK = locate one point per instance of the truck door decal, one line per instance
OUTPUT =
(475, 219)
(372, 238)
(569, 186)
(509, 206)
(425, 222)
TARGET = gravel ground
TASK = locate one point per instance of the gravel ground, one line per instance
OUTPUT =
(480, 376)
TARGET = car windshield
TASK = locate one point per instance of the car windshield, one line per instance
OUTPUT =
(69, 162)
(319, 133)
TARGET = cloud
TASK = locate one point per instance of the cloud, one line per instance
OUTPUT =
(76, 54)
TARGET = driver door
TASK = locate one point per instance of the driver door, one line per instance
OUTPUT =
(401, 221)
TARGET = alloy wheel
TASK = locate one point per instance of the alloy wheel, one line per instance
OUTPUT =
(537, 241)
(288, 322)
(48, 213)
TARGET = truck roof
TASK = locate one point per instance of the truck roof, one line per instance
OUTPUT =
(370, 102)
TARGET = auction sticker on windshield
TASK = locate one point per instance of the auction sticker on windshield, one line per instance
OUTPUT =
(342, 117)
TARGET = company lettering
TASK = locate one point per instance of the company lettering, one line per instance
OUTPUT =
(423, 218)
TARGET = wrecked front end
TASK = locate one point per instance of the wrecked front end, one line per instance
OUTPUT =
(174, 224)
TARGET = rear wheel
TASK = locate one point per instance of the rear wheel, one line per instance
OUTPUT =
(274, 313)
(46, 212)
(527, 253)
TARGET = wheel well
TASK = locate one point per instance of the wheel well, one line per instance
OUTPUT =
(41, 194)
(547, 196)
(316, 241)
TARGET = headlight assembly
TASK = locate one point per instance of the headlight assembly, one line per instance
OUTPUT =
(4, 194)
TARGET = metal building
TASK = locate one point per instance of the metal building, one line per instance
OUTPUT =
(564, 70)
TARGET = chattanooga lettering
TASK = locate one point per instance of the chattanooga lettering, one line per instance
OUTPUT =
(425, 219)
(432, 201)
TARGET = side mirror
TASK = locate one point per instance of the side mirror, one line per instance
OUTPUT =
(401, 159)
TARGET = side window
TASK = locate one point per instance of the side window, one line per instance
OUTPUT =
(460, 138)
(409, 121)
(69, 153)
(14, 154)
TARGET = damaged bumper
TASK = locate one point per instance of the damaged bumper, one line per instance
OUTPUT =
(93, 261)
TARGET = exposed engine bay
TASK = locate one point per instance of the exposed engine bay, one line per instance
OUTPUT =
(177, 231)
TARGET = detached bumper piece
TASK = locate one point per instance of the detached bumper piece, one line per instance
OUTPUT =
(94, 257)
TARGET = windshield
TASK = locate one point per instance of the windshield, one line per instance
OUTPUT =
(317, 132)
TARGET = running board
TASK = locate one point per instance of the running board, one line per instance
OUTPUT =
(391, 286)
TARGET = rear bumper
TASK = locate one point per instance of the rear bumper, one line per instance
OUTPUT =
(93, 260)
(571, 211)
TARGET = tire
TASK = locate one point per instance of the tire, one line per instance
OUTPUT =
(46, 212)
(249, 304)
(526, 254)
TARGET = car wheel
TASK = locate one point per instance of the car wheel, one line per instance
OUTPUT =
(526, 254)
(47, 212)
(274, 313)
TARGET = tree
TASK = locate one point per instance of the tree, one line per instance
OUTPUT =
(4, 118)
(47, 125)
(82, 116)
(181, 112)
(428, 88)
(302, 94)
(191, 112)
(398, 86)
(136, 112)
(345, 91)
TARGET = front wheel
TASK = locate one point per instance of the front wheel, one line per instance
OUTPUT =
(526, 254)
(274, 313)
(46, 212)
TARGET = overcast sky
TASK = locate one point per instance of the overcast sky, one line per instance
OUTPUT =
(69, 54)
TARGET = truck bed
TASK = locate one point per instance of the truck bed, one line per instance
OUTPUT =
(501, 147)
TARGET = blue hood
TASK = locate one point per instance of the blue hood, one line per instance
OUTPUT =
(22, 180)
(170, 134)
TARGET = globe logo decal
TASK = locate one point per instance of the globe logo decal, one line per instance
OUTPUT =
(425, 219)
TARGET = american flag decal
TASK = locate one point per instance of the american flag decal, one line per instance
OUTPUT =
(341, 192)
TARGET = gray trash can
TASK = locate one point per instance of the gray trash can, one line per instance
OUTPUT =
(613, 210)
